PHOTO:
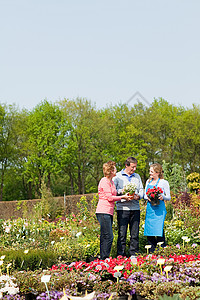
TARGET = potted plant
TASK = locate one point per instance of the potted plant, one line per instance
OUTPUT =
(153, 194)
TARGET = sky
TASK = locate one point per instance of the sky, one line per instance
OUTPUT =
(105, 51)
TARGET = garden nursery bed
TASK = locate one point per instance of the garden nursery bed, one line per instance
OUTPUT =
(44, 258)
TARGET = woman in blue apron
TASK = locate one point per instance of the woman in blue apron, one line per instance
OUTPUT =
(155, 214)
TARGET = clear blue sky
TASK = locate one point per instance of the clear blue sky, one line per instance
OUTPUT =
(102, 50)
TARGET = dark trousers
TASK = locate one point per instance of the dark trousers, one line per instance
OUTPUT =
(153, 240)
(106, 237)
(125, 218)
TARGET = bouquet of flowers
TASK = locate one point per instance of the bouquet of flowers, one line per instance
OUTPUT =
(130, 188)
(153, 195)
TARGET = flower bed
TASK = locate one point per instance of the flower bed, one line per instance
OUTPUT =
(31, 247)
(150, 276)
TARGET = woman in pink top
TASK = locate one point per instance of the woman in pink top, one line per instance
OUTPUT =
(105, 207)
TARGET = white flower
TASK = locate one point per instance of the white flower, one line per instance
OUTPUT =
(78, 234)
(9, 286)
(7, 229)
(130, 188)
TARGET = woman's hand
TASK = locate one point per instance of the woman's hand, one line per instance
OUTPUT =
(149, 199)
(126, 197)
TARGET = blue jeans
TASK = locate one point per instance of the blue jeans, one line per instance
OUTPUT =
(125, 218)
(106, 237)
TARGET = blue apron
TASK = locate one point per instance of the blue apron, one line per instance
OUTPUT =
(155, 216)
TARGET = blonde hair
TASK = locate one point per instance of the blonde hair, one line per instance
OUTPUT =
(108, 167)
(158, 169)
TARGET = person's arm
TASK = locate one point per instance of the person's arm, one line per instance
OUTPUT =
(145, 194)
(105, 187)
(166, 190)
(140, 188)
(118, 188)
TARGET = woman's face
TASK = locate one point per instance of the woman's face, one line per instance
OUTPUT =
(153, 174)
(114, 172)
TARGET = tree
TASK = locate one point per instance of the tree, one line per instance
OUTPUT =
(43, 144)
(188, 139)
(9, 119)
(85, 149)
(127, 135)
(175, 175)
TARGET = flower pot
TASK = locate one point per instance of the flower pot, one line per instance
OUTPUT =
(138, 297)
(123, 297)
(155, 201)
(132, 195)
(30, 296)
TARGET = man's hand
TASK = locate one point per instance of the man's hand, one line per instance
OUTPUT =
(136, 197)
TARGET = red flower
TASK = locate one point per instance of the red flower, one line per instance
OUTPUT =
(152, 193)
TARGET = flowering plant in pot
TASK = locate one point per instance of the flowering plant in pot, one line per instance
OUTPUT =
(119, 288)
(153, 194)
(130, 188)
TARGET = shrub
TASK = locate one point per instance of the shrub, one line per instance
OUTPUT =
(194, 182)
(33, 260)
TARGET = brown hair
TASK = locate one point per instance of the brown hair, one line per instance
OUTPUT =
(158, 169)
(130, 160)
(108, 167)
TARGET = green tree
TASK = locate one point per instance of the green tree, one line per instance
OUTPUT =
(86, 146)
(9, 119)
(175, 175)
(44, 141)
(127, 135)
(188, 139)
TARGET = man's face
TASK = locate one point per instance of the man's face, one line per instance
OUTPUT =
(131, 169)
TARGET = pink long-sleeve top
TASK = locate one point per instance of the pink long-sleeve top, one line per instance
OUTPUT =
(107, 196)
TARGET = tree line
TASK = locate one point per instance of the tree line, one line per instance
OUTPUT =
(65, 144)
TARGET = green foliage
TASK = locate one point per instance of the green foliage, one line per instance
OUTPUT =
(170, 211)
(194, 182)
(174, 297)
(73, 281)
(87, 209)
(190, 293)
(175, 175)
(121, 288)
(77, 236)
(33, 260)
(67, 144)
(48, 207)
(43, 143)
